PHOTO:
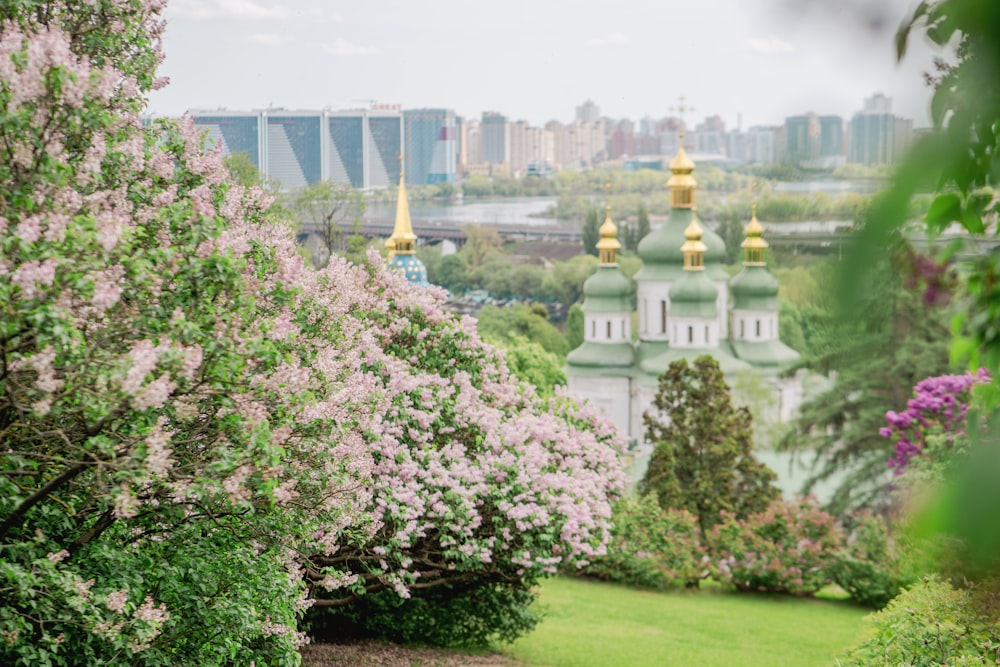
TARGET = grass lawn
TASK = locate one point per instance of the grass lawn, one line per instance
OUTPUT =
(589, 624)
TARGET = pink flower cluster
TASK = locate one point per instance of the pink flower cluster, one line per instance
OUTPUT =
(938, 403)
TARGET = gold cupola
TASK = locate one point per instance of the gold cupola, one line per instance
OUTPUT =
(608, 245)
(693, 248)
(681, 183)
(403, 239)
(754, 244)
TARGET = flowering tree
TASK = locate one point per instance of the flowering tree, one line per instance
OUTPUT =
(200, 434)
(939, 406)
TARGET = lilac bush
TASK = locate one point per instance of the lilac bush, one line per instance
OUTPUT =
(939, 405)
(202, 436)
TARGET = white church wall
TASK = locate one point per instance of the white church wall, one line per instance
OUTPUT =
(654, 310)
(754, 325)
(610, 395)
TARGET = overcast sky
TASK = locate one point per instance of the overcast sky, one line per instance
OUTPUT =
(538, 59)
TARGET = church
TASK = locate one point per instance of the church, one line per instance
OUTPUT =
(687, 306)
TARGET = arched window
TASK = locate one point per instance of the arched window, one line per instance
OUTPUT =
(663, 317)
(742, 333)
(690, 334)
(609, 329)
(758, 328)
(706, 334)
(593, 329)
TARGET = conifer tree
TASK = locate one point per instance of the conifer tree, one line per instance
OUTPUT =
(703, 460)
(591, 235)
(643, 226)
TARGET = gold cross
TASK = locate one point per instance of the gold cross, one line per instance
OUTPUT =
(682, 109)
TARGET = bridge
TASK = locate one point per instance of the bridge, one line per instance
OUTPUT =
(830, 235)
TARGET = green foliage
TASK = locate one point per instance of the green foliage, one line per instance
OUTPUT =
(591, 235)
(574, 327)
(932, 624)
(481, 243)
(703, 459)
(564, 282)
(787, 548)
(871, 566)
(452, 274)
(531, 363)
(880, 349)
(505, 324)
(458, 616)
(650, 546)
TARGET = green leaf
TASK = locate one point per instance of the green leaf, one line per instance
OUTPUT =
(945, 209)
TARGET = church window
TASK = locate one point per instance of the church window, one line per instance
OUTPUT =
(609, 329)
(706, 334)
(742, 333)
(663, 317)
(623, 329)
(593, 329)
(758, 328)
(690, 334)
(771, 326)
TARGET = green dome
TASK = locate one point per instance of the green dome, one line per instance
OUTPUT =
(754, 288)
(693, 295)
(607, 291)
(715, 254)
(661, 249)
(663, 245)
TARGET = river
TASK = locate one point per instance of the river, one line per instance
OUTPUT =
(506, 211)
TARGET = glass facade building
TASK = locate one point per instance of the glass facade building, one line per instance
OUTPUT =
(358, 148)
(235, 132)
(431, 146)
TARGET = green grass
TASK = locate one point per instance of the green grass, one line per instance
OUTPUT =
(589, 624)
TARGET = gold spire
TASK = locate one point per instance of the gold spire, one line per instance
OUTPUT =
(693, 248)
(402, 237)
(608, 245)
(681, 183)
(754, 244)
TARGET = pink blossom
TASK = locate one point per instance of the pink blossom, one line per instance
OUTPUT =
(116, 601)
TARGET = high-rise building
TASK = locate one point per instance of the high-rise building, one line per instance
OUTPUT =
(431, 146)
(234, 132)
(875, 135)
(588, 112)
(495, 133)
(294, 147)
(761, 145)
(814, 141)
(364, 147)
(298, 148)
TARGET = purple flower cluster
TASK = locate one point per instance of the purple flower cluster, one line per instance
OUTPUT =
(938, 402)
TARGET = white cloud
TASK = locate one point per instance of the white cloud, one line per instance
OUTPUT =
(266, 39)
(341, 47)
(769, 46)
(211, 10)
(611, 39)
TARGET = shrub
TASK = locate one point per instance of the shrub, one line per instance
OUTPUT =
(454, 616)
(787, 548)
(933, 624)
(870, 566)
(650, 546)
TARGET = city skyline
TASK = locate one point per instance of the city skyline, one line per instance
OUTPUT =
(752, 63)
